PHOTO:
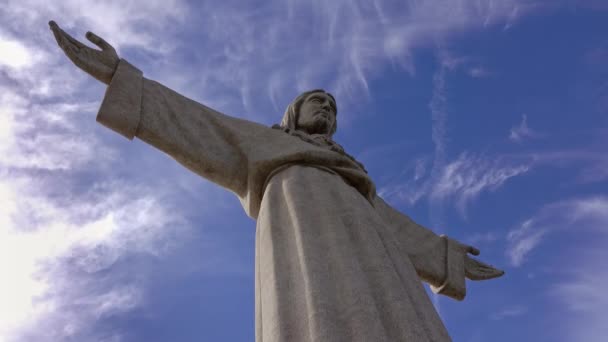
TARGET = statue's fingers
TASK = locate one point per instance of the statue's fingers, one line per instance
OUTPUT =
(67, 47)
(473, 250)
(492, 273)
(477, 270)
(57, 33)
(63, 38)
(74, 41)
(97, 40)
(53, 25)
(71, 51)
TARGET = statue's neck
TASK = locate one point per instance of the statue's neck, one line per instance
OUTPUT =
(321, 140)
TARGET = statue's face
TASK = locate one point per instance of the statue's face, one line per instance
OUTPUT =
(317, 114)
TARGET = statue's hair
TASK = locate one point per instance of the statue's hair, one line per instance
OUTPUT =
(290, 118)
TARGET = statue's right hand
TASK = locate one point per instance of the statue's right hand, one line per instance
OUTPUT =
(99, 64)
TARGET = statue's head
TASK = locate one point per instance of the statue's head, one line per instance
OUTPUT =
(314, 112)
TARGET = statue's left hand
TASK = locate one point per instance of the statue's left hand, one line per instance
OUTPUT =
(101, 64)
(477, 270)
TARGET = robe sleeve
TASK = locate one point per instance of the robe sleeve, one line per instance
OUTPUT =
(438, 260)
(205, 141)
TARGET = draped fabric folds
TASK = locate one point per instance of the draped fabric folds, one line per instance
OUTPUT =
(334, 262)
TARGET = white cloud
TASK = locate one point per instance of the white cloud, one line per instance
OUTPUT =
(511, 311)
(584, 297)
(581, 291)
(591, 162)
(522, 132)
(439, 115)
(458, 182)
(132, 23)
(414, 189)
(61, 226)
(597, 171)
(41, 137)
(269, 45)
(40, 236)
(464, 179)
(479, 72)
(14, 54)
(523, 240)
(255, 56)
(245, 47)
(590, 213)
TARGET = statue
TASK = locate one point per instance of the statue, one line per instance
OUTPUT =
(333, 261)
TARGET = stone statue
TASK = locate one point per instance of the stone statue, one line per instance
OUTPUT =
(334, 262)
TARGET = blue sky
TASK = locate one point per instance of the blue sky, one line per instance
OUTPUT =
(484, 120)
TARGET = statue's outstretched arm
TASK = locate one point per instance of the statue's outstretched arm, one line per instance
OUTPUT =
(475, 269)
(442, 262)
(100, 64)
(218, 147)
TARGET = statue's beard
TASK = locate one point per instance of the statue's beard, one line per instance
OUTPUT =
(318, 126)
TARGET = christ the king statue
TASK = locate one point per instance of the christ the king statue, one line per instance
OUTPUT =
(333, 261)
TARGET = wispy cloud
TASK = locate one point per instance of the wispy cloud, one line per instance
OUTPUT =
(578, 291)
(53, 253)
(590, 213)
(582, 295)
(414, 188)
(14, 54)
(524, 239)
(595, 171)
(479, 72)
(467, 177)
(590, 162)
(511, 311)
(581, 289)
(61, 228)
(439, 115)
(34, 136)
(460, 181)
(124, 23)
(351, 41)
(247, 46)
(522, 132)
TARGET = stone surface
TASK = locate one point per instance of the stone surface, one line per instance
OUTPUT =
(334, 262)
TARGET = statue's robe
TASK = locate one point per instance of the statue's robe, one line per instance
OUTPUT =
(333, 261)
